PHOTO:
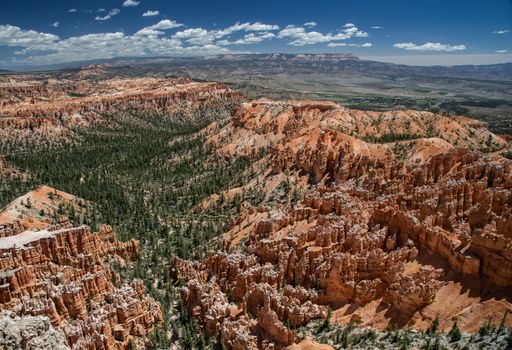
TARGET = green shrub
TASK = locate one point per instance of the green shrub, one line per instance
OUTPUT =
(455, 334)
(434, 326)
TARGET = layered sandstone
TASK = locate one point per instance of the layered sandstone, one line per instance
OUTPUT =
(47, 111)
(412, 226)
(36, 99)
(64, 273)
(264, 123)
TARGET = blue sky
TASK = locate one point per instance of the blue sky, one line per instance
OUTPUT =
(412, 32)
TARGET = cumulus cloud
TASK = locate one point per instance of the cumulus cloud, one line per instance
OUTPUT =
(248, 27)
(310, 24)
(131, 3)
(72, 10)
(157, 28)
(166, 24)
(55, 24)
(15, 36)
(501, 31)
(155, 40)
(301, 37)
(109, 15)
(110, 45)
(200, 36)
(248, 39)
(127, 46)
(256, 27)
(191, 33)
(151, 40)
(429, 47)
(150, 13)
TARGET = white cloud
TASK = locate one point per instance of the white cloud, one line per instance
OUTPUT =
(191, 33)
(150, 13)
(502, 31)
(101, 10)
(350, 45)
(153, 40)
(377, 27)
(248, 27)
(129, 3)
(337, 44)
(501, 51)
(200, 36)
(15, 36)
(310, 24)
(156, 29)
(353, 31)
(72, 10)
(148, 41)
(55, 24)
(109, 15)
(110, 45)
(259, 27)
(166, 24)
(301, 37)
(248, 39)
(195, 36)
(429, 47)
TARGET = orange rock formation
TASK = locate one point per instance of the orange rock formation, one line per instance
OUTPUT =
(49, 109)
(414, 227)
(63, 273)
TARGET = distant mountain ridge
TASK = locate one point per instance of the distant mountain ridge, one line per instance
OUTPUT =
(303, 63)
(327, 57)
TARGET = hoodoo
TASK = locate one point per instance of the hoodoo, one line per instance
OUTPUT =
(62, 277)
(403, 221)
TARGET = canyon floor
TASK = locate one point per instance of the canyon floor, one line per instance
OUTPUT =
(156, 213)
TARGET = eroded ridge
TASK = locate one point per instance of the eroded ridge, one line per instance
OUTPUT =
(48, 111)
(403, 220)
(65, 273)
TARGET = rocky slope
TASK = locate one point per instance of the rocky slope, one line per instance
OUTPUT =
(31, 333)
(39, 209)
(46, 110)
(403, 221)
(65, 275)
